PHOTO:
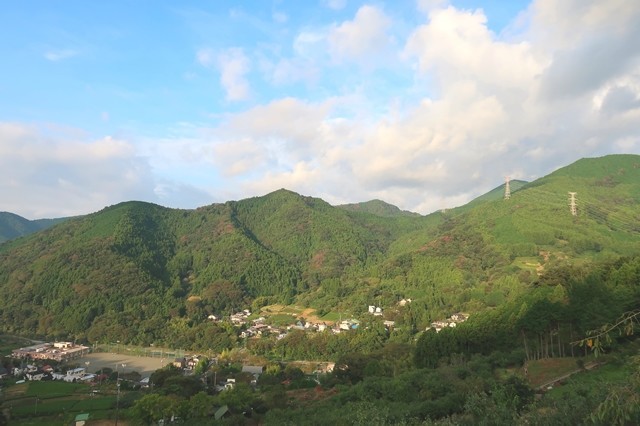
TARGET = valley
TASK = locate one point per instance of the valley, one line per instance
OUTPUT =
(273, 280)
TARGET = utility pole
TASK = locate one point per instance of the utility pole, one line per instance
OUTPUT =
(572, 203)
(118, 392)
(507, 188)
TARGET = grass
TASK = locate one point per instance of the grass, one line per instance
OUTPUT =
(281, 315)
(15, 391)
(281, 309)
(45, 407)
(48, 402)
(331, 316)
(96, 403)
(281, 319)
(529, 263)
(607, 373)
(545, 370)
(54, 389)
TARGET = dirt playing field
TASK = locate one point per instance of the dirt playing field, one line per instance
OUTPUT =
(309, 314)
(143, 365)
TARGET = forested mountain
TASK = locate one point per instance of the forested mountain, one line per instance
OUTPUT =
(495, 194)
(138, 272)
(377, 207)
(14, 226)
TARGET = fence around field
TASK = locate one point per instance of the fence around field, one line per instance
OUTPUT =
(146, 351)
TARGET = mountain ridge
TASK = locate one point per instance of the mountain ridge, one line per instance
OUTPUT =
(13, 225)
(128, 270)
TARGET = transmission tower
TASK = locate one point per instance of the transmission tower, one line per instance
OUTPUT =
(572, 203)
(507, 188)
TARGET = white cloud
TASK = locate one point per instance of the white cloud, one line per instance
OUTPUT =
(280, 17)
(482, 118)
(335, 4)
(234, 66)
(60, 54)
(363, 37)
(238, 157)
(309, 44)
(290, 121)
(466, 107)
(458, 45)
(287, 71)
(66, 176)
(206, 57)
(426, 6)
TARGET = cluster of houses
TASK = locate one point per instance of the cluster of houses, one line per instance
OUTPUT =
(58, 351)
(187, 363)
(451, 322)
(258, 327)
(46, 372)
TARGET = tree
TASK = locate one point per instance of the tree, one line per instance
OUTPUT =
(159, 377)
(622, 404)
(186, 386)
(201, 367)
(200, 405)
(239, 399)
(597, 339)
(150, 408)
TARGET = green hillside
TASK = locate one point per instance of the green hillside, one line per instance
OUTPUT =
(378, 208)
(142, 273)
(497, 193)
(14, 226)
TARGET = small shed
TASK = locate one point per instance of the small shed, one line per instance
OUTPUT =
(221, 412)
(256, 370)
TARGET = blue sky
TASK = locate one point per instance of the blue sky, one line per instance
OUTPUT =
(425, 104)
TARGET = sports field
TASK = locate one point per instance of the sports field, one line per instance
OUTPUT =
(142, 364)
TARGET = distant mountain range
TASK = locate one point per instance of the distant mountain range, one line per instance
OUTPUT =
(378, 208)
(127, 271)
(14, 226)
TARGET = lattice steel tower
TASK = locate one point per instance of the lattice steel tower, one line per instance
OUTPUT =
(507, 188)
(572, 203)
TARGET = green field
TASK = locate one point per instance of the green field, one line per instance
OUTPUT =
(54, 389)
(280, 320)
(331, 317)
(50, 402)
(608, 373)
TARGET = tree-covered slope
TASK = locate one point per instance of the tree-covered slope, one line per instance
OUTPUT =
(497, 193)
(141, 272)
(123, 273)
(377, 207)
(14, 226)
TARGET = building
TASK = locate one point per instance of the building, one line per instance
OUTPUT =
(180, 362)
(58, 351)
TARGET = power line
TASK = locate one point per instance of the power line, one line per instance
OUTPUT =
(606, 214)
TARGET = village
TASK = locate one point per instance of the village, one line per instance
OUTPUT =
(259, 327)
(450, 322)
(65, 353)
